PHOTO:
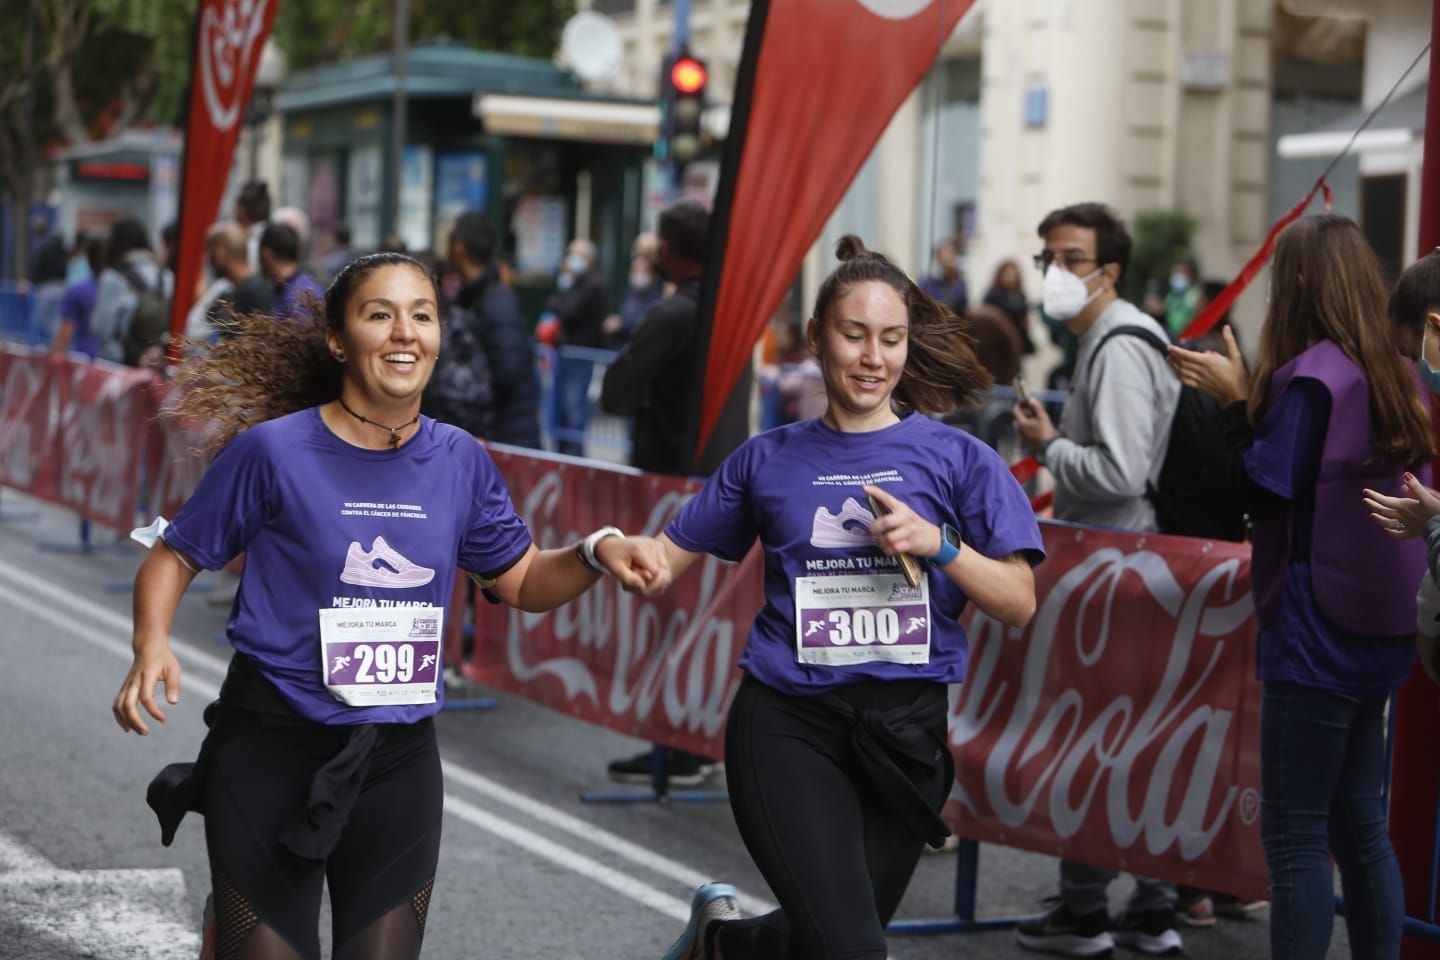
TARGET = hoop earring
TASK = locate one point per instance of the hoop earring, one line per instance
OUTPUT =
(339, 357)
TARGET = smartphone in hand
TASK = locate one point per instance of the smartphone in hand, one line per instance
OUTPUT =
(1022, 391)
(908, 564)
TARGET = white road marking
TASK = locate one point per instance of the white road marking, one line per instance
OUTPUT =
(115, 914)
(41, 599)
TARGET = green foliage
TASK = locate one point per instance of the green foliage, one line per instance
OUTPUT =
(1161, 237)
(313, 32)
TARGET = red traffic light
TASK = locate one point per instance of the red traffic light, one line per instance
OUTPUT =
(687, 75)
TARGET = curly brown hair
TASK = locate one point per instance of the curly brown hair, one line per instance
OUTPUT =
(267, 367)
(941, 371)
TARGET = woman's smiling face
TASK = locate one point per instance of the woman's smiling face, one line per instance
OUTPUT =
(391, 335)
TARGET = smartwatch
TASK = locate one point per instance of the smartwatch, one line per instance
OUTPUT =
(949, 546)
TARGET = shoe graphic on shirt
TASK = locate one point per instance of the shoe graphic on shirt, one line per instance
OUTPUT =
(382, 566)
(848, 528)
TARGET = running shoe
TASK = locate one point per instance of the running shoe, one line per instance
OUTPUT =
(382, 566)
(1060, 931)
(681, 769)
(1152, 932)
(1237, 908)
(1195, 909)
(712, 903)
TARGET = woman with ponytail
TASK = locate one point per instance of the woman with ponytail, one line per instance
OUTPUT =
(353, 512)
(879, 525)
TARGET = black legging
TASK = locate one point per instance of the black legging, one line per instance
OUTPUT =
(836, 856)
(381, 872)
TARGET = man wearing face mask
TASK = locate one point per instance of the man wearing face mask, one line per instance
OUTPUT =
(580, 304)
(1182, 300)
(646, 286)
(1105, 456)
(248, 291)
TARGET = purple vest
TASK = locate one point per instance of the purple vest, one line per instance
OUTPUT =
(1364, 582)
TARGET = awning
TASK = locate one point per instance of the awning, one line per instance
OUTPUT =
(553, 118)
(1397, 127)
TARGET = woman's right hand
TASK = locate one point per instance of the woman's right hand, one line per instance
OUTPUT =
(154, 663)
(1222, 376)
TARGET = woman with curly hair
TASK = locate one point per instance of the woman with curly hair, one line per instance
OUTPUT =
(835, 750)
(353, 512)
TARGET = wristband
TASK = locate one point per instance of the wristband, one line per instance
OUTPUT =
(1042, 450)
(585, 549)
(949, 546)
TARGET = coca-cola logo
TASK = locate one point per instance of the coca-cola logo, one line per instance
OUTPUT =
(618, 654)
(230, 32)
(99, 444)
(1139, 758)
(21, 400)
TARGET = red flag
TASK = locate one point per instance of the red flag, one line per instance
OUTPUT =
(229, 35)
(819, 81)
(1205, 321)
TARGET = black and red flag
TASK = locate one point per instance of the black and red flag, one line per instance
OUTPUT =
(229, 35)
(819, 81)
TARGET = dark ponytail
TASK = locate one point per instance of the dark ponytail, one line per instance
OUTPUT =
(941, 370)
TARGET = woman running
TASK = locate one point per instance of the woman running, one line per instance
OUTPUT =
(835, 749)
(353, 512)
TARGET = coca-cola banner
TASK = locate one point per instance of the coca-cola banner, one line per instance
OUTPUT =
(1122, 727)
(229, 35)
(663, 669)
(75, 433)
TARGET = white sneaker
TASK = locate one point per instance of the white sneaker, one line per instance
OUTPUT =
(712, 902)
(383, 566)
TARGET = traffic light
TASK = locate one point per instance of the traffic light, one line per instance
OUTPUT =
(683, 94)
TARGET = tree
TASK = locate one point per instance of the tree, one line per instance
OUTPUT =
(324, 31)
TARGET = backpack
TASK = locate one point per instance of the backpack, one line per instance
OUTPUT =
(150, 321)
(461, 391)
(1201, 488)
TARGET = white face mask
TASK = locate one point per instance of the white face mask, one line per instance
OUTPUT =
(576, 264)
(1064, 294)
(1429, 374)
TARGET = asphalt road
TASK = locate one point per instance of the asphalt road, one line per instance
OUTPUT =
(527, 870)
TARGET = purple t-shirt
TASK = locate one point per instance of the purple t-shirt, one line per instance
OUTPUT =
(1298, 645)
(798, 489)
(324, 524)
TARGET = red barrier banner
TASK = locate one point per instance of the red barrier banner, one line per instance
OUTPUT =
(74, 433)
(1122, 727)
(662, 670)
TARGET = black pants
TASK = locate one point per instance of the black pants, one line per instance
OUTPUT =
(257, 783)
(833, 852)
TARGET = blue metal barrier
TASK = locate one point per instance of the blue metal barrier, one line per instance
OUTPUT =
(576, 373)
(17, 314)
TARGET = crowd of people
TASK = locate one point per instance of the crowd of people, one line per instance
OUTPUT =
(345, 378)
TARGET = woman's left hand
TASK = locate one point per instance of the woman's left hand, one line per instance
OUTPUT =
(901, 530)
(639, 563)
(1403, 517)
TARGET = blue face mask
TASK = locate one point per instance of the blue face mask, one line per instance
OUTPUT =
(1429, 374)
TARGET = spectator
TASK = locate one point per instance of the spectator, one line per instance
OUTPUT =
(1182, 300)
(946, 283)
(131, 281)
(252, 212)
(78, 306)
(332, 261)
(504, 335)
(1007, 294)
(656, 379)
(645, 287)
(249, 292)
(280, 263)
(48, 267)
(1105, 456)
(1334, 412)
(579, 304)
(297, 220)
